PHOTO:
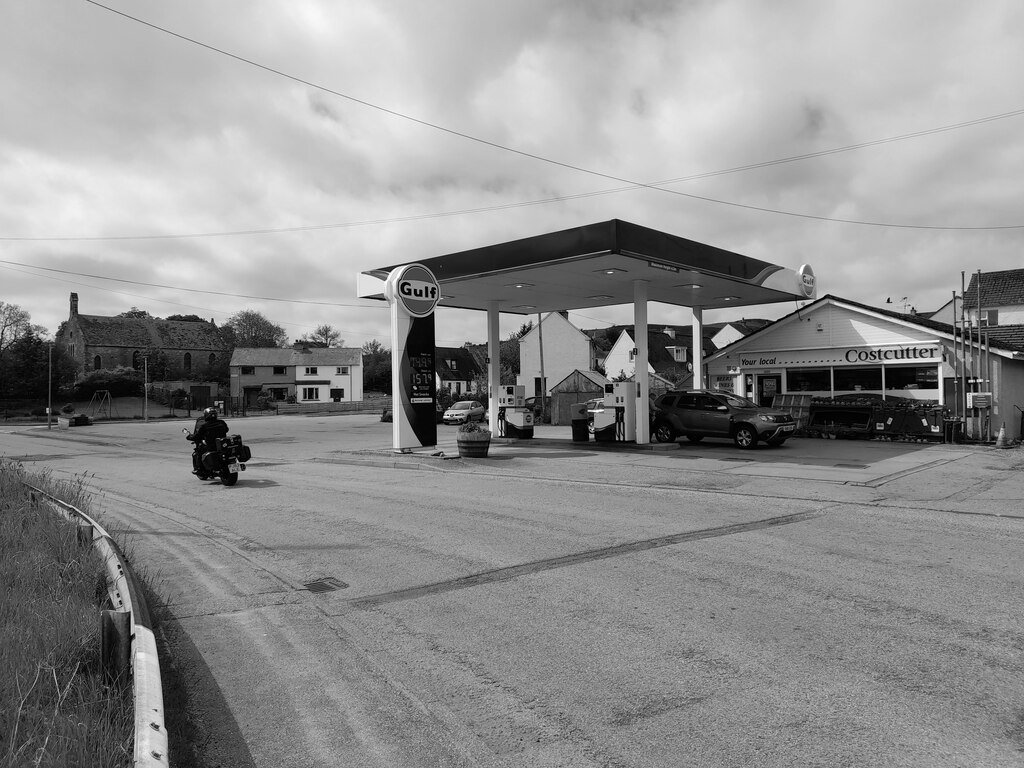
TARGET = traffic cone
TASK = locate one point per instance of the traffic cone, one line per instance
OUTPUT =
(1001, 441)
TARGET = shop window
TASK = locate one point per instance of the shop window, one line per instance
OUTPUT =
(858, 379)
(924, 377)
(808, 380)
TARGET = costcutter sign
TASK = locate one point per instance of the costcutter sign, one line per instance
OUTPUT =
(843, 356)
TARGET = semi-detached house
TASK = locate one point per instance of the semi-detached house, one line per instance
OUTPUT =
(309, 374)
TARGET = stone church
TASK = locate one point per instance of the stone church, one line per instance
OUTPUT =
(188, 349)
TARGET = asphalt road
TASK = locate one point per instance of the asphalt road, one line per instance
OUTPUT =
(825, 603)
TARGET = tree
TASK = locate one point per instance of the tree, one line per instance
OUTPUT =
(187, 318)
(376, 367)
(249, 328)
(30, 365)
(137, 313)
(322, 336)
(15, 322)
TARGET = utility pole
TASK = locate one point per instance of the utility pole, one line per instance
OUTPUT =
(49, 389)
(145, 388)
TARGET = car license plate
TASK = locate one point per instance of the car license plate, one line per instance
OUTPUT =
(234, 466)
(789, 428)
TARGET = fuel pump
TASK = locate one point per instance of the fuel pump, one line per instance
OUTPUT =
(514, 418)
(616, 422)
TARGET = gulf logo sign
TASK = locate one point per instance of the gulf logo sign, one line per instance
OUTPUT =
(415, 288)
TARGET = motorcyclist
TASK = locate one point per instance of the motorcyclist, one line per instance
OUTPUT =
(209, 427)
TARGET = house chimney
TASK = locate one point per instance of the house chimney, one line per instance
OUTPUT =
(670, 332)
(74, 305)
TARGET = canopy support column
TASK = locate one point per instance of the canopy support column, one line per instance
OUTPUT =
(643, 384)
(493, 366)
(698, 347)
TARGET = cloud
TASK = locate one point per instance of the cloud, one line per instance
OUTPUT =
(113, 128)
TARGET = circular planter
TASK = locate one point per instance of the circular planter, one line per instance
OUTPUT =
(473, 445)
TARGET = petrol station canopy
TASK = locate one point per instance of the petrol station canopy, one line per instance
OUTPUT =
(599, 265)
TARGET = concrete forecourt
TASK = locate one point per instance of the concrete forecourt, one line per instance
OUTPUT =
(823, 603)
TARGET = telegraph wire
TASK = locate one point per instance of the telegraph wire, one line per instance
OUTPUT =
(580, 169)
(189, 290)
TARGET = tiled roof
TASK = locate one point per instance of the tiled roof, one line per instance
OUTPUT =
(1007, 335)
(289, 356)
(149, 332)
(465, 367)
(998, 289)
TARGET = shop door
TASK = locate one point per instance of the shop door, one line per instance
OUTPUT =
(767, 388)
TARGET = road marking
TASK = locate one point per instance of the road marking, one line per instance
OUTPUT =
(526, 569)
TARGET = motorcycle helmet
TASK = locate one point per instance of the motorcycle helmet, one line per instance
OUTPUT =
(209, 414)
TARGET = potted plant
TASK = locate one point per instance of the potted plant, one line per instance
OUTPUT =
(473, 440)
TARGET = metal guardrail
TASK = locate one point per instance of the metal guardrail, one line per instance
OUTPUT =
(127, 599)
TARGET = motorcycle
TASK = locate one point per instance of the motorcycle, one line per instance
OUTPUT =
(225, 462)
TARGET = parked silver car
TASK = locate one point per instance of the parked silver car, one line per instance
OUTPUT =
(464, 411)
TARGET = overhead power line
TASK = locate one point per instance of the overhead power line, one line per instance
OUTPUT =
(632, 184)
(178, 288)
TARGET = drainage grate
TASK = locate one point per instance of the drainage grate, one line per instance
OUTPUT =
(328, 584)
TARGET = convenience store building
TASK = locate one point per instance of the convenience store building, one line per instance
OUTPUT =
(834, 348)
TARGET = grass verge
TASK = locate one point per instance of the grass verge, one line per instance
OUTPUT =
(55, 707)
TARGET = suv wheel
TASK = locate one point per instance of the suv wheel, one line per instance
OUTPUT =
(664, 433)
(745, 436)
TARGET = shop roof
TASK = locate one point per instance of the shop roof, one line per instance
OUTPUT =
(1011, 341)
(597, 265)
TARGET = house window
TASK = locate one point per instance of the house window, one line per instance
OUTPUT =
(337, 394)
(311, 370)
(248, 370)
(213, 359)
(453, 364)
(278, 393)
(188, 362)
(678, 354)
(990, 317)
(136, 360)
(342, 370)
(280, 370)
(97, 363)
(311, 393)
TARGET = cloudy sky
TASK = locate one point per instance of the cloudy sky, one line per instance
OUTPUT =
(207, 158)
